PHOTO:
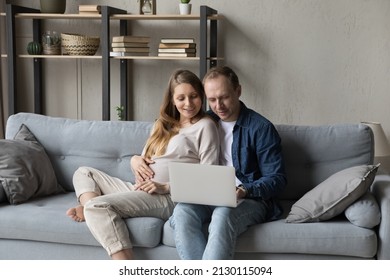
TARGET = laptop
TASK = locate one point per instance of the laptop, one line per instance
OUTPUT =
(203, 184)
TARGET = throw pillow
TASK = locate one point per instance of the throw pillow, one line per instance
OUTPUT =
(331, 197)
(25, 169)
(364, 212)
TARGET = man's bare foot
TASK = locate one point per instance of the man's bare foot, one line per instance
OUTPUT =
(76, 213)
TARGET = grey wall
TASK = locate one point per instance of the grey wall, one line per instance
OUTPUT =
(299, 61)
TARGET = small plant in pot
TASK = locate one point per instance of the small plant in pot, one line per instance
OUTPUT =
(185, 7)
(119, 112)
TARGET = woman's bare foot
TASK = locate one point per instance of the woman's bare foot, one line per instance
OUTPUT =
(76, 213)
(125, 254)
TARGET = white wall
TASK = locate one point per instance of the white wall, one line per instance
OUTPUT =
(299, 61)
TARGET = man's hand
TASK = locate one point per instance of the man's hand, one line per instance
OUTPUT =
(240, 192)
(152, 187)
(140, 167)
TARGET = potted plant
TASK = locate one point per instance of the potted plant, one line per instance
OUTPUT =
(185, 7)
(119, 112)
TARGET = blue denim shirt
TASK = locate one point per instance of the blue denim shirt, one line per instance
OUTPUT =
(257, 157)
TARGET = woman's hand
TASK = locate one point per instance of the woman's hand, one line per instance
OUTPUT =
(152, 187)
(140, 167)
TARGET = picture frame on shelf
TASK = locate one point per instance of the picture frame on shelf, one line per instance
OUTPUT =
(147, 5)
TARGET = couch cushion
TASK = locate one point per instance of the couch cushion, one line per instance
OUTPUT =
(313, 153)
(25, 169)
(45, 220)
(69, 143)
(334, 195)
(334, 237)
(364, 212)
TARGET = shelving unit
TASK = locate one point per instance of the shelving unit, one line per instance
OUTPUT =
(207, 48)
(2, 15)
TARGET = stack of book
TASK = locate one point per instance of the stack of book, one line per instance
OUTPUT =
(89, 9)
(179, 47)
(130, 46)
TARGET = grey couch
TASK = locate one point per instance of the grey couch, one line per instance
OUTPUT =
(39, 228)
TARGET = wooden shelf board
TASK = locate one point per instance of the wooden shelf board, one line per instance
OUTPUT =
(161, 17)
(116, 16)
(155, 58)
(114, 57)
(60, 56)
(164, 58)
(56, 16)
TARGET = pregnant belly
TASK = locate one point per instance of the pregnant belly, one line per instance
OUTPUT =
(160, 168)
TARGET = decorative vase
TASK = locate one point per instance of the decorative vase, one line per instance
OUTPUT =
(51, 43)
(34, 48)
(53, 6)
(185, 9)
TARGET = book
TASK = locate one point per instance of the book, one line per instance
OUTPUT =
(177, 40)
(145, 50)
(128, 45)
(115, 54)
(177, 54)
(89, 13)
(176, 45)
(177, 50)
(131, 39)
(89, 8)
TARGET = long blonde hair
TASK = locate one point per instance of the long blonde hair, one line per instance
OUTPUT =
(167, 125)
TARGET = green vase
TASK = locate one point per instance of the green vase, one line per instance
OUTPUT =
(53, 6)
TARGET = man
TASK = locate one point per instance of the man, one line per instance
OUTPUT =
(251, 144)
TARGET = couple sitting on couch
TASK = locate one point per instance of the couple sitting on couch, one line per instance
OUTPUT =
(184, 132)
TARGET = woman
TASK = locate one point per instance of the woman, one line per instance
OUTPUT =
(181, 133)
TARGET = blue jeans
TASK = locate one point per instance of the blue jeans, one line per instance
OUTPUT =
(226, 224)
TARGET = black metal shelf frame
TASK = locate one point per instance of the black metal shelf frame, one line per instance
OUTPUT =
(207, 49)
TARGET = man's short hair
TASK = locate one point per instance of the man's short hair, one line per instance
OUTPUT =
(225, 71)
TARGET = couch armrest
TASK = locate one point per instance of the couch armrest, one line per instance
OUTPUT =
(381, 191)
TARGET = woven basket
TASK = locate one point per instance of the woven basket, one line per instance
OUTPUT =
(75, 44)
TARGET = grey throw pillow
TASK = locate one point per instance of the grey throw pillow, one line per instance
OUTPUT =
(364, 212)
(331, 197)
(25, 169)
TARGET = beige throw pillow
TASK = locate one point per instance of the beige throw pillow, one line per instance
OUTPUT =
(331, 197)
